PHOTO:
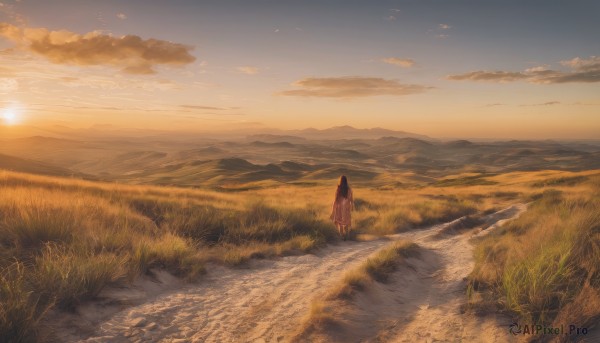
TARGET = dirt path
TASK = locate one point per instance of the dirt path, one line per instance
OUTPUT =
(266, 302)
(436, 316)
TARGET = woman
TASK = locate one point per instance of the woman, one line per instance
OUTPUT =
(342, 205)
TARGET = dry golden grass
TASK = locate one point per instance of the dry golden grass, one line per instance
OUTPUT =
(540, 265)
(63, 240)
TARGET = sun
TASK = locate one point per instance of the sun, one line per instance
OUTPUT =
(10, 117)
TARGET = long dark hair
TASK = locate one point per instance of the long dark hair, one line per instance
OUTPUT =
(342, 188)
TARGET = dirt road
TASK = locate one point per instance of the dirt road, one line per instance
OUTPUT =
(266, 302)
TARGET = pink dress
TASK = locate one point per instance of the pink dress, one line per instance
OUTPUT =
(340, 213)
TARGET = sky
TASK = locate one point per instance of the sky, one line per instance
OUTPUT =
(478, 69)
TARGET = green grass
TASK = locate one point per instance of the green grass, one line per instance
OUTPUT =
(538, 265)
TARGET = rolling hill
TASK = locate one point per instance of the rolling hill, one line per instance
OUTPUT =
(17, 164)
(293, 156)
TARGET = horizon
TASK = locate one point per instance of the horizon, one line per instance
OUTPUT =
(425, 68)
(240, 132)
(176, 170)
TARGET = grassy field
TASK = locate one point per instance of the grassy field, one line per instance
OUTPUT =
(543, 267)
(64, 240)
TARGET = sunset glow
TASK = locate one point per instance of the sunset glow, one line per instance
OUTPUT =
(299, 170)
(10, 117)
(529, 70)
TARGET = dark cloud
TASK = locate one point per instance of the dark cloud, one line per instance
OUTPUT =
(581, 77)
(130, 53)
(351, 87)
(581, 71)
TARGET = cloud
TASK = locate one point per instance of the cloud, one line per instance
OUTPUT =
(6, 72)
(537, 69)
(391, 18)
(8, 85)
(547, 103)
(248, 70)
(593, 63)
(441, 32)
(496, 76)
(122, 16)
(8, 10)
(351, 87)
(581, 71)
(402, 62)
(130, 53)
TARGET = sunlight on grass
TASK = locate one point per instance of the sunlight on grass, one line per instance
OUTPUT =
(541, 262)
(62, 241)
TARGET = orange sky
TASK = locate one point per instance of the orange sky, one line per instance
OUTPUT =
(428, 68)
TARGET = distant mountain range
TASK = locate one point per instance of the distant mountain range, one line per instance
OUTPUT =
(349, 132)
(373, 156)
(111, 132)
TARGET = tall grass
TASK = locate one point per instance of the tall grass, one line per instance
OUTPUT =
(63, 240)
(538, 265)
(66, 277)
(20, 308)
(418, 211)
